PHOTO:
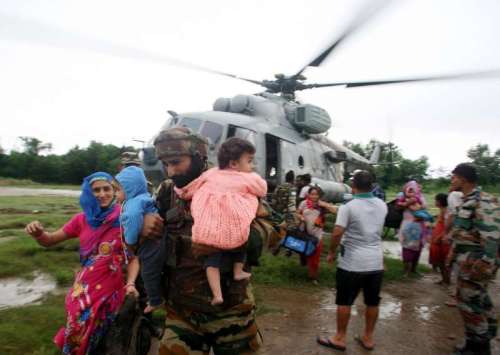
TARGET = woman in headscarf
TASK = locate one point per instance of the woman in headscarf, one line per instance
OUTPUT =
(312, 213)
(99, 287)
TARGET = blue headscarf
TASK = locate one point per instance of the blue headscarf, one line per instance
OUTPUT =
(94, 213)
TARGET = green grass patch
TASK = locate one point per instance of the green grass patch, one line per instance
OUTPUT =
(30, 329)
(283, 271)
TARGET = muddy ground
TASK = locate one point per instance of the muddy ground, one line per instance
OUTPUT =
(413, 320)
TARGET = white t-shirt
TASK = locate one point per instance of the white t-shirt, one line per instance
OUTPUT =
(361, 246)
(304, 190)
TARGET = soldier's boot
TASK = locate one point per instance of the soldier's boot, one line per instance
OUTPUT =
(473, 348)
(484, 348)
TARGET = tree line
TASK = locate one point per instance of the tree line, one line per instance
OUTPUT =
(393, 169)
(69, 168)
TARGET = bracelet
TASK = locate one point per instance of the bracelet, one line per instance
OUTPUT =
(130, 284)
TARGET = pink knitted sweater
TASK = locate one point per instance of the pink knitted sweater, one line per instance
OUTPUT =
(224, 203)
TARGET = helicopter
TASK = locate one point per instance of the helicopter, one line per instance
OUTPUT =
(289, 135)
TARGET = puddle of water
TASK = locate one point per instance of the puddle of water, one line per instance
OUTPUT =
(17, 292)
(390, 308)
(425, 312)
(393, 250)
(22, 191)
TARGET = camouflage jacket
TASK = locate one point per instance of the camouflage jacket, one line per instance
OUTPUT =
(284, 198)
(476, 225)
(186, 286)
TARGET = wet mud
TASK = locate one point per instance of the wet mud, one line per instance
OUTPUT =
(413, 320)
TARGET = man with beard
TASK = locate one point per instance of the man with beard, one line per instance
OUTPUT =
(476, 236)
(193, 325)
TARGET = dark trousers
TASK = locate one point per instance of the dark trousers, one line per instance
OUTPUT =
(152, 257)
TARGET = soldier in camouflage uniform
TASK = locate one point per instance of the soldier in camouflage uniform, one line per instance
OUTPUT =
(129, 159)
(193, 325)
(475, 235)
(284, 197)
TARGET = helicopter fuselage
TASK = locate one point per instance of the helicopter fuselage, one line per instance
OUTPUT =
(281, 146)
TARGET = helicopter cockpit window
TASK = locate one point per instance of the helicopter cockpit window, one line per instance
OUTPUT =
(243, 133)
(192, 123)
(213, 131)
(301, 161)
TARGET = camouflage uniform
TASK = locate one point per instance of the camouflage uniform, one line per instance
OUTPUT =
(284, 199)
(476, 240)
(193, 325)
(130, 158)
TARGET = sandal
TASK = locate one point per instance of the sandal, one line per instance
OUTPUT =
(362, 343)
(328, 343)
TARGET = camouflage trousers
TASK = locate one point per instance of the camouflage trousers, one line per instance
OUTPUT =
(474, 303)
(229, 332)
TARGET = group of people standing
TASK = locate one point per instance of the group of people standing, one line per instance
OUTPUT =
(465, 238)
(190, 245)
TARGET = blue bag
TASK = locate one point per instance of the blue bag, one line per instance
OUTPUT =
(300, 242)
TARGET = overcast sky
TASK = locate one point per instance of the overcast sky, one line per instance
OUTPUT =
(75, 71)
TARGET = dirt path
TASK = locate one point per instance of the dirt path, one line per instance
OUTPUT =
(413, 320)
(23, 191)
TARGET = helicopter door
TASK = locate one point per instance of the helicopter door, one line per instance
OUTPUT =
(273, 161)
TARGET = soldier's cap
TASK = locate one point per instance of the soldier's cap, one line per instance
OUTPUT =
(466, 170)
(130, 158)
(180, 141)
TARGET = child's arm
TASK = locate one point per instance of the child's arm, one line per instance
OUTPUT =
(256, 185)
(132, 272)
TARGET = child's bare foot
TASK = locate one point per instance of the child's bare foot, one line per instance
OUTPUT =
(150, 308)
(216, 301)
(243, 275)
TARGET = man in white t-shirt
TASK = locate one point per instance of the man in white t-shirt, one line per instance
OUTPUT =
(358, 231)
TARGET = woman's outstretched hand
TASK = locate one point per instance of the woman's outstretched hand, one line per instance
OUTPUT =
(35, 229)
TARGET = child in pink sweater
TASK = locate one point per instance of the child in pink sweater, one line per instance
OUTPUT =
(224, 203)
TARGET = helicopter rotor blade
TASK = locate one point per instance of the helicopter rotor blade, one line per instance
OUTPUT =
(27, 30)
(475, 75)
(361, 18)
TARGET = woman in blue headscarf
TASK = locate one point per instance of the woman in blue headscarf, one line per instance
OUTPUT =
(99, 288)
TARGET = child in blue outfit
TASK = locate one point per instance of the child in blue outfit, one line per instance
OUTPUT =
(131, 190)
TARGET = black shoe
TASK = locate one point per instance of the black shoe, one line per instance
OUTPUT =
(468, 348)
(473, 348)
(484, 348)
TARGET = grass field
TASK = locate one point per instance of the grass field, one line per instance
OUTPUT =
(29, 329)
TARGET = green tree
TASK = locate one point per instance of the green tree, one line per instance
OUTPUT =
(487, 163)
(34, 146)
(392, 169)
